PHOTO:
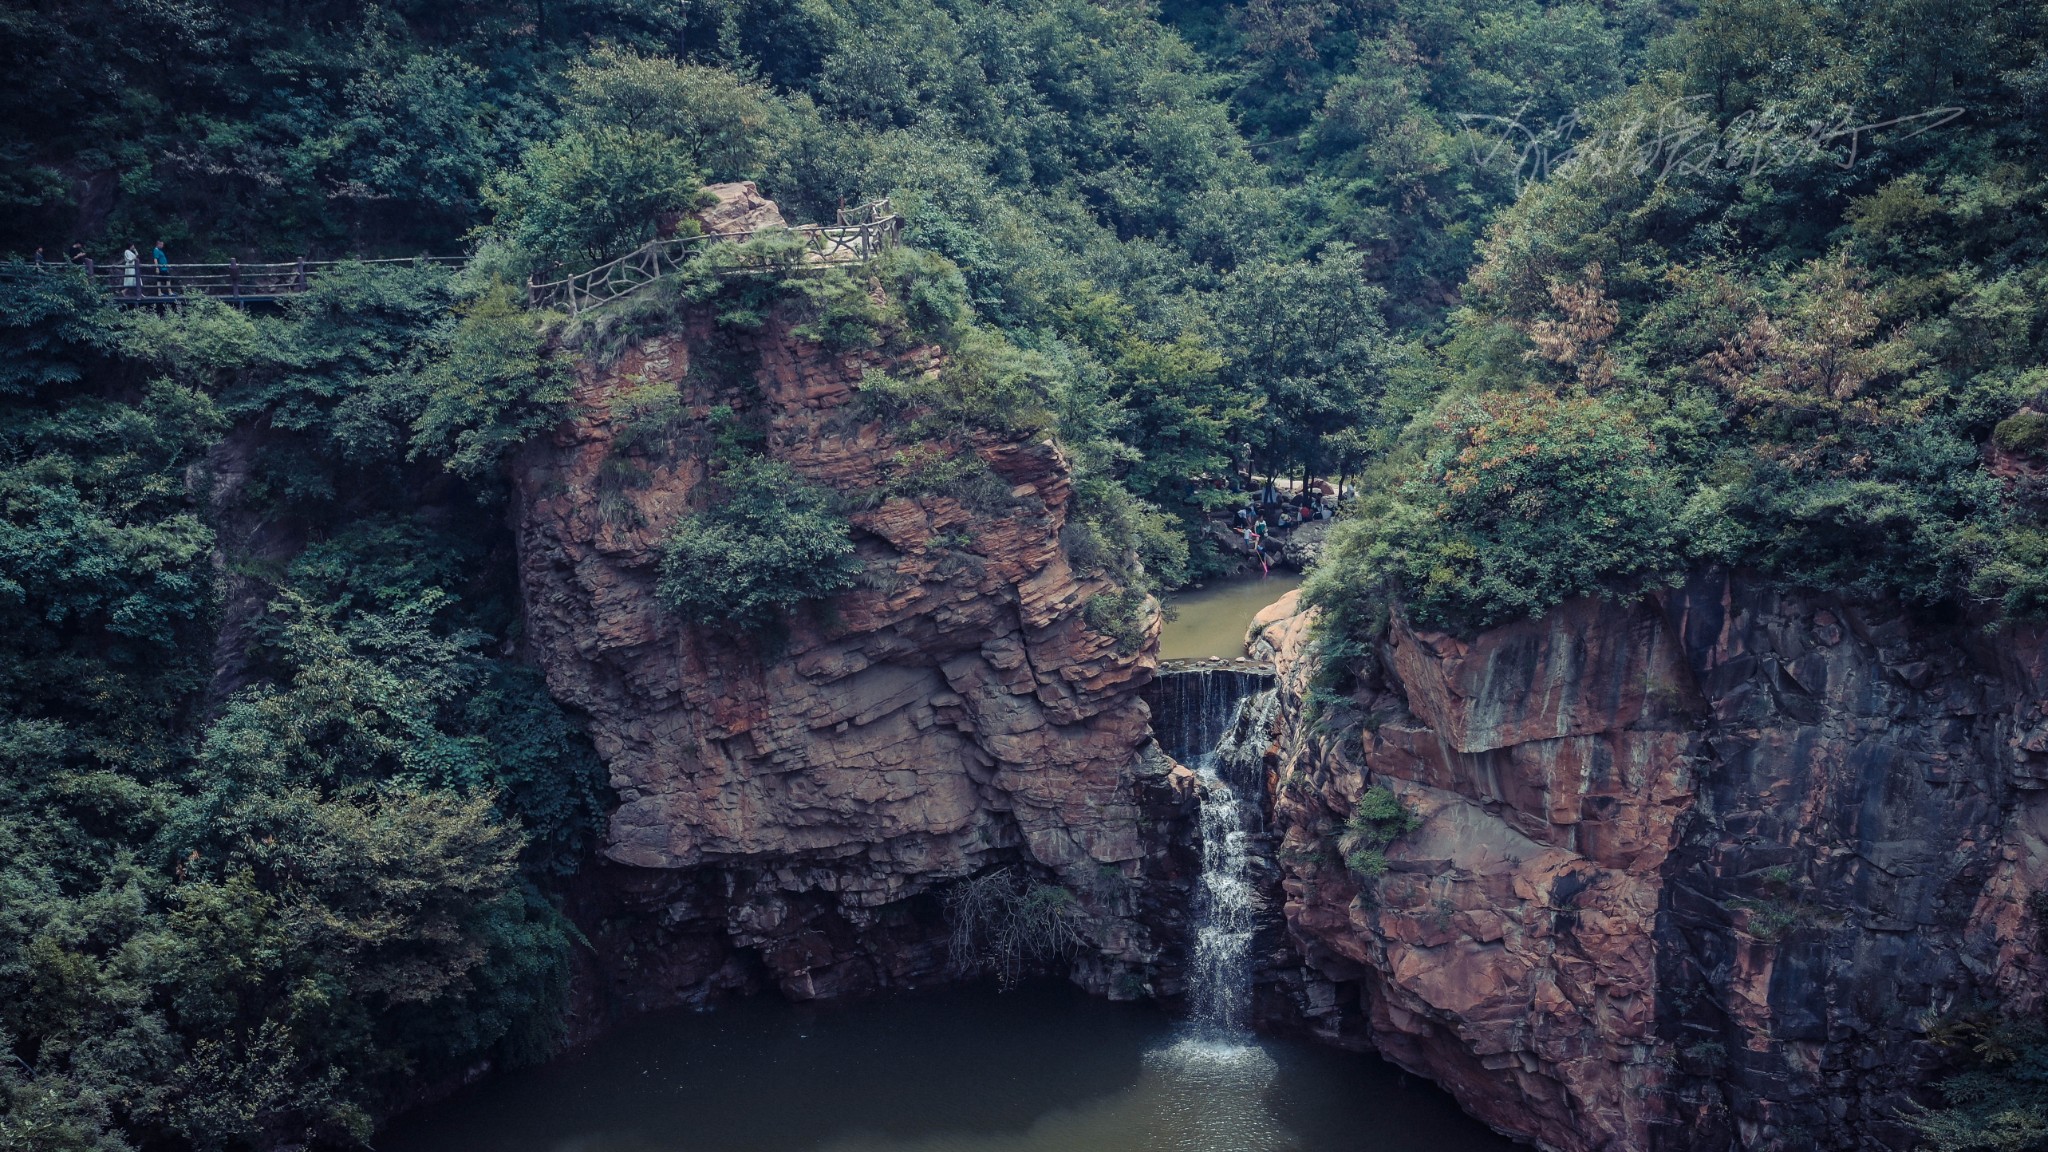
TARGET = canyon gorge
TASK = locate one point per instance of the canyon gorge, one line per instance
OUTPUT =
(1699, 870)
(1041, 576)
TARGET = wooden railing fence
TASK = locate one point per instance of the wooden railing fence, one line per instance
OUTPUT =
(861, 235)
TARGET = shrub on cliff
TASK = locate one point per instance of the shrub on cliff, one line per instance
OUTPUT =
(987, 385)
(489, 386)
(1523, 501)
(769, 543)
(1376, 821)
(1999, 1101)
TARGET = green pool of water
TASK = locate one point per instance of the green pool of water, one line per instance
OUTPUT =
(1042, 1069)
(1210, 621)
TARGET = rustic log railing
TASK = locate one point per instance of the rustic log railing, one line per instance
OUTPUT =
(861, 235)
(872, 212)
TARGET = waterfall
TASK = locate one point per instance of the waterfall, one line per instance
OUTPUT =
(1228, 905)
(1241, 751)
(1194, 705)
(1215, 718)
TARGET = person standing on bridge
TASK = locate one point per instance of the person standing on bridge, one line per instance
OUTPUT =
(163, 269)
(131, 282)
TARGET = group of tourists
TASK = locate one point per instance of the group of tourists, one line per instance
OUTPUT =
(136, 277)
(1272, 512)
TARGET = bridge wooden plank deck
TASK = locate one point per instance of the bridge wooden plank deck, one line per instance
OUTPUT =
(233, 282)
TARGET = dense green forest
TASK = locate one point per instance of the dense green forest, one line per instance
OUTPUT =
(1577, 288)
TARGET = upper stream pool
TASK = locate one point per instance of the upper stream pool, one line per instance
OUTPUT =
(1211, 620)
(1040, 1069)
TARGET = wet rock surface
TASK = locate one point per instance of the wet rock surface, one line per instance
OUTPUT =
(1691, 873)
(789, 807)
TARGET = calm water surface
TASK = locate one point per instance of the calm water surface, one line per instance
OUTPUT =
(1043, 1069)
(1211, 620)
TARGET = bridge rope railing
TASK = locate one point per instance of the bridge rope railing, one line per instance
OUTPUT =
(234, 281)
(861, 235)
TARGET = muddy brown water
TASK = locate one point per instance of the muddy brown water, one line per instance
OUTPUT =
(1211, 620)
(1040, 1069)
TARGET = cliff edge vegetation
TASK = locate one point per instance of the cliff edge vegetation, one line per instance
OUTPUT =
(1778, 310)
(1774, 309)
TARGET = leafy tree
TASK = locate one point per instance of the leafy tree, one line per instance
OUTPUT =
(414, 131)
(638, 136)
(1181, 409)
(592, 192)
(491, 386)
(1309, 340)
(721, 124)
(210, 913)
(1807, 354)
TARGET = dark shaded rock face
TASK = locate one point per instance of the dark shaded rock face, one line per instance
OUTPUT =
(791, 810)
(1867, 828)
(1692, 873)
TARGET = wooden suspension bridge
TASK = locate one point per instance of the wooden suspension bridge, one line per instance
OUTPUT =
(235, 282)
(860, 235)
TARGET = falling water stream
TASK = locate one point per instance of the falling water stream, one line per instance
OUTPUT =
(1228, 906)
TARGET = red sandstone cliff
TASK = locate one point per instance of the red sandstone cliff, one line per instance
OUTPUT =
(1692, 873)
(784, 816)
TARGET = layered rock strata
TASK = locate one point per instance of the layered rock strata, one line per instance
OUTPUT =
(1695, 872)
(787, 806)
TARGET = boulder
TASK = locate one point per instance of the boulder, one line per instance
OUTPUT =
(740, 207)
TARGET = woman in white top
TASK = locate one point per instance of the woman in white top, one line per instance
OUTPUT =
(129, 282)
